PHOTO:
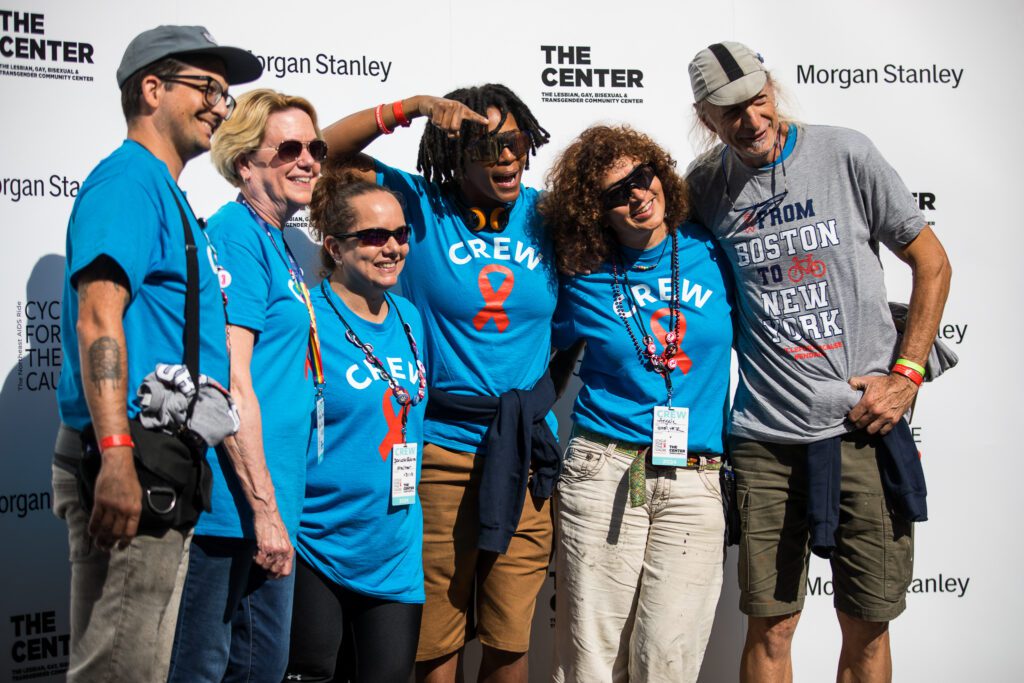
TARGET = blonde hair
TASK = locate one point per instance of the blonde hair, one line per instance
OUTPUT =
(243, 132)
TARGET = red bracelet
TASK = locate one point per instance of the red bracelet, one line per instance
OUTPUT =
(378, 114)
(399, 114)
(115, 440)
(910, 373)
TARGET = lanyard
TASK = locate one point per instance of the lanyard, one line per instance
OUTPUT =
(296, 275)
(663, 363)
(401, 395)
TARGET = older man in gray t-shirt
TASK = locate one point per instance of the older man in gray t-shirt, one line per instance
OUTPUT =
(800, 211)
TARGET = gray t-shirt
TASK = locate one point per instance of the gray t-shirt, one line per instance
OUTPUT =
(802, 237)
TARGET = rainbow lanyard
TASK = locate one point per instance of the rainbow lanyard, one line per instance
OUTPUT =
(296, 274)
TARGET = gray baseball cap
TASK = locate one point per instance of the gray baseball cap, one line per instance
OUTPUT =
(726, 74)
(174, 41)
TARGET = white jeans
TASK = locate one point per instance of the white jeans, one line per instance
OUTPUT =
(636, 587)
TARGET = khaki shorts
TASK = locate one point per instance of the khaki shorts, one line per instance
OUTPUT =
(470, 592)
(873, 562)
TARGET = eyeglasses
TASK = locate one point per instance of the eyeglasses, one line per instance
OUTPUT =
(213, 91)
(290, 150)
(619, 194)
(488, 149)
(378, 237)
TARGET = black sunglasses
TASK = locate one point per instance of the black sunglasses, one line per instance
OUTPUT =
(488, 149)
(213, 91)
(290, 150)
(378, 237)
(619, 194)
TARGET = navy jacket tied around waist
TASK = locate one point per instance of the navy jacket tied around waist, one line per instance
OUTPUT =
(517, 438)
(902, 481)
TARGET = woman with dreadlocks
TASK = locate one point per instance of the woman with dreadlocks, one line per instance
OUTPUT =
(481, 272)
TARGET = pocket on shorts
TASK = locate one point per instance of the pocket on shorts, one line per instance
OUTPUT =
(583, 460)
(743, 566)
(899, 554)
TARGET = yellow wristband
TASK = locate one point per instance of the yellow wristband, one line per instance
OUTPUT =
(911, 364)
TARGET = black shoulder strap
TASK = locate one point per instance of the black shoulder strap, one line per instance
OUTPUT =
(191, 332)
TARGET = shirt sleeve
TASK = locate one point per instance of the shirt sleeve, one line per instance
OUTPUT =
(418, 196)
(563, 325)
(893, 217)
(241, 254)
(117, 218)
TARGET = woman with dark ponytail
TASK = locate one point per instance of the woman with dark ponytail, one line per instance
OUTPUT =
(359, 576)
(481, 273)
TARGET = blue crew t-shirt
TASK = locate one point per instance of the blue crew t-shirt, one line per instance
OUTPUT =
(264, 298)
(350, 531)
(486, 299)
(126, 211)
(619, 394)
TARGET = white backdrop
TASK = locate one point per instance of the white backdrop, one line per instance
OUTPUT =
(953, 137)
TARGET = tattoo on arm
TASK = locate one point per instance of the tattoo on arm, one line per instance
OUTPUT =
(105, 363)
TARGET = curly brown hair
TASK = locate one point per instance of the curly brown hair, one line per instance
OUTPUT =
(572, 205)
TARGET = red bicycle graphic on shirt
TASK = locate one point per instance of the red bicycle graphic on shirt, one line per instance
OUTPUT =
(807, 265)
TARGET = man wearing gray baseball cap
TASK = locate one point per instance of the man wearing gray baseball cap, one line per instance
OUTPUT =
(799, 211)
(125, 284)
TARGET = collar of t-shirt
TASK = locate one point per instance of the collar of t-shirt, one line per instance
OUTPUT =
(787, 149)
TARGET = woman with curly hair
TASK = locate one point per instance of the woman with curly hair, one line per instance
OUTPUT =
(639, 510)
(481, 272)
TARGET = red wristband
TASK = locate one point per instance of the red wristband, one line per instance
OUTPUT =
(910, 373)
(399, 114)
(115, 440)
(378, 114)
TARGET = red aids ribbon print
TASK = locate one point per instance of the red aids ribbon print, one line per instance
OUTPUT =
(683, 361)
(393, 418)
(493, 300)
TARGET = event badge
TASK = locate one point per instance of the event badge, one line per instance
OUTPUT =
(671, 428)
(403, 474)
(319, 429)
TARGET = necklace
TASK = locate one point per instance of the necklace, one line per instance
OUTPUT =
(646, 351)
(399, 392)
(643, 269)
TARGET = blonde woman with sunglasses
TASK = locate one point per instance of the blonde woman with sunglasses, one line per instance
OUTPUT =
(238, 589)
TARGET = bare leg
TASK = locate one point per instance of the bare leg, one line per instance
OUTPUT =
(865, 657)
(500, 666)
(447, 669)
(767, 651)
